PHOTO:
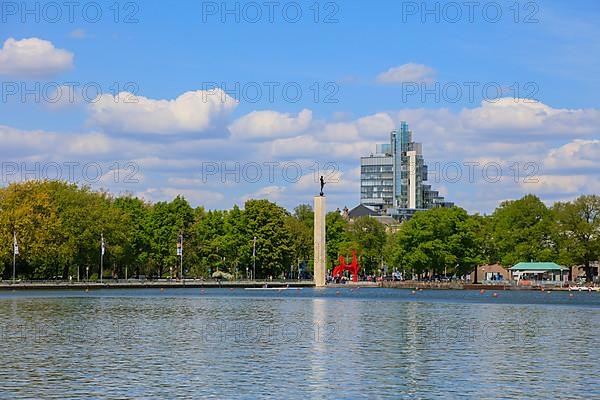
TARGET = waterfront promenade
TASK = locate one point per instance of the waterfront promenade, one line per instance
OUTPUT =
(145, 284)
(199, 283)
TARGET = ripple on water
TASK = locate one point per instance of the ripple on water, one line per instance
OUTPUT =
(225, 344)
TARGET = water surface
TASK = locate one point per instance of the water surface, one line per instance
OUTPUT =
(308, 343)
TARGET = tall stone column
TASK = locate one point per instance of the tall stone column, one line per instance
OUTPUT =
(320, 244)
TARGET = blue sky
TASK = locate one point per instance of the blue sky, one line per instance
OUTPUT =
(370, 62)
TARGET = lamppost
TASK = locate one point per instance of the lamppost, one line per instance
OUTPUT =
(254, 259)
(180, 254)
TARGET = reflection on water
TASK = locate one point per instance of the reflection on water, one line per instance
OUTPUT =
(298, 344)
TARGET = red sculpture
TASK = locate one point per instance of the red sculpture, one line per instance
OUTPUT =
(353, 267)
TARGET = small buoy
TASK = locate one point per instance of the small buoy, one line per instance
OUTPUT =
(495, 295)
(420, 290)
(231, 288)
(413, 292)
(202, 291)
(482, 291)
(570, 294)
(162, 289)
(542, 289)
(337, 292)
(87, 290)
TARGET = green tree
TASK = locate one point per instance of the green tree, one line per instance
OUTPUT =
(436, 241)
(336, 234)
(522, 231)
(138, 237)
(367, 236)
(300, 225)
(27, 209)
(578, 232)
(166, 222)
(274, 252)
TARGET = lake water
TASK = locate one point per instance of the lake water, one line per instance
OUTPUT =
(299, 344)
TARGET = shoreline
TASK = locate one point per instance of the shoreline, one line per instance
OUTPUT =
(191, 284)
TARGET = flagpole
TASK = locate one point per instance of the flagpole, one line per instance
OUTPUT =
(181, 259)
(254, 258)
(14, 255)
(102, 257)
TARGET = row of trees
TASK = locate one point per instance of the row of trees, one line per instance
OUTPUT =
(450, 240)
(59, 225)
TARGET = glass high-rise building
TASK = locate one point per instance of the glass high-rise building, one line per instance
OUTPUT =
(377, 181)
(392, 179)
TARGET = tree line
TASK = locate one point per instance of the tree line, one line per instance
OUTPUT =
(523, 230)
(59, 225)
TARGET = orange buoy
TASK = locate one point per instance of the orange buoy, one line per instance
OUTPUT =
(495, 295)
(337, 292)
(482, 291)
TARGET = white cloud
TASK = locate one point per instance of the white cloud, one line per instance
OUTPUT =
(337, 181)
(168, 163)
(90, 144)
(505, 128)
(370, 127)
(192, 112)
(410, 72)
(62, 97)
(271, 193)
(576, 154)
(337, 132)
(559, 141)
(530, 116)
(563, 184)
(33, 58)
(52, 146)
(506, 114)
(15, 141)
(270, 124)
(310, 146)
(375, 125)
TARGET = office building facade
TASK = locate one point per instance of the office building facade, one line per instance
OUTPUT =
(393, 179)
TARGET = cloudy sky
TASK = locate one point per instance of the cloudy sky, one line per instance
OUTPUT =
(226, 101)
